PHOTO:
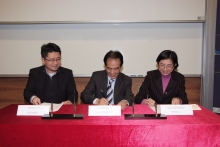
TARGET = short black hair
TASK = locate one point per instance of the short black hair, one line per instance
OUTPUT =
(168, 54)
(50, 47)
(113, 55)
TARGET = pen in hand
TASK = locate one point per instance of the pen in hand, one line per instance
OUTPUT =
(148, 95)
(102, 93)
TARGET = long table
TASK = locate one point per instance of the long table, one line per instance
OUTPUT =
(201, 129)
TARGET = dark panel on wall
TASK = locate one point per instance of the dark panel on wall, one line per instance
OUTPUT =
(216, 97)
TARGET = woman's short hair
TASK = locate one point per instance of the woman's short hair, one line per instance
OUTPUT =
(168, 54)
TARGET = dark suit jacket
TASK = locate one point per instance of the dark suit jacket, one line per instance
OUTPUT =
(36, 84)
(153, 86)
(98, 82)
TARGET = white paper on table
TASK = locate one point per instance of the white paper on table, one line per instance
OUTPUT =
(185, 109)
(103, 110)
(32, 110)
(194, 107)
(56, 107)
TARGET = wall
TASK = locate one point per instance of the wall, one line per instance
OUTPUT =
(84, 46)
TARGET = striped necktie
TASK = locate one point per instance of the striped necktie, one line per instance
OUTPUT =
(109, 96)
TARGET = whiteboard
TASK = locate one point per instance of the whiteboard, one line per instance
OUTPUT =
(84, 45)
(37, 11)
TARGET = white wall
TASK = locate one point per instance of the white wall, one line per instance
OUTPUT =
(100, 10)
(84, 45)
(87, 29)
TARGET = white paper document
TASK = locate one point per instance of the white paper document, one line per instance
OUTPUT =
(32, 110)
(176, 109)
(194, 107)
(56, 107)
(110, 110)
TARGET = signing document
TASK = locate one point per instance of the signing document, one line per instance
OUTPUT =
(56, 107)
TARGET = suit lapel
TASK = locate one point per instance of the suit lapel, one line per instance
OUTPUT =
(60, 79)
(43, 80)
(158, 82)
(104, 83)
(117, 87)
(172, 82)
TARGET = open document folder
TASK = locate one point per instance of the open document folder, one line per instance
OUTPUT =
(56, 107)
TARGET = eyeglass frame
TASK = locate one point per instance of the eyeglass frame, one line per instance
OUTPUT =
(53, 60)
(114, 69)
(163, 66)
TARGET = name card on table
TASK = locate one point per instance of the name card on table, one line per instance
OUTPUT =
(109, 110)
(32, 110)
(176, 109)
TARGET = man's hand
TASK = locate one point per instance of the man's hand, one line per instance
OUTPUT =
(123, 104)
(150, 102)
(67, 102)
(36, 101)
(102, 101)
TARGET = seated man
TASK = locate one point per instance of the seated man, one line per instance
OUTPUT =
(50, 82)
(109, 86)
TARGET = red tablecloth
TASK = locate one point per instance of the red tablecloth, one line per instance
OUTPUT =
(202, 129)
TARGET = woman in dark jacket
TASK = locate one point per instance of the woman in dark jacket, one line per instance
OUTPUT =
(164, 85)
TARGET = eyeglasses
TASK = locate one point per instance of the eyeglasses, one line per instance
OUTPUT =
(53, 60)
(169, 66)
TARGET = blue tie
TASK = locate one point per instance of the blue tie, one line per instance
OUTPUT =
(109, 96)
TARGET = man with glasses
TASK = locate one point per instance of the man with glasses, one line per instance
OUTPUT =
(164, 85)
(50, 82)
(109, 86)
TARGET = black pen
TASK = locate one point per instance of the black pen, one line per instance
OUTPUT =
(148, 95)
(102, 93)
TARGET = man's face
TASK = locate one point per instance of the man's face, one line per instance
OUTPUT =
(52, 62)
(113, 67)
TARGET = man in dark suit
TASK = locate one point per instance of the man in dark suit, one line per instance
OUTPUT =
(109, 86)
(50, 82)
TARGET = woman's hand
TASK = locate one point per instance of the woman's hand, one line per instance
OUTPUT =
(150, 102)
(176, 101)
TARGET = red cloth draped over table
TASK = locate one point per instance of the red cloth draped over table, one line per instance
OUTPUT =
(201, 129)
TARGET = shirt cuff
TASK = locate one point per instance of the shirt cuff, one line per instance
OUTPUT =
(143, 101)
(32, 98)
(94, 101)
(127, 102)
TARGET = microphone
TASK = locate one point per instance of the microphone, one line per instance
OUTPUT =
(74, 104)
